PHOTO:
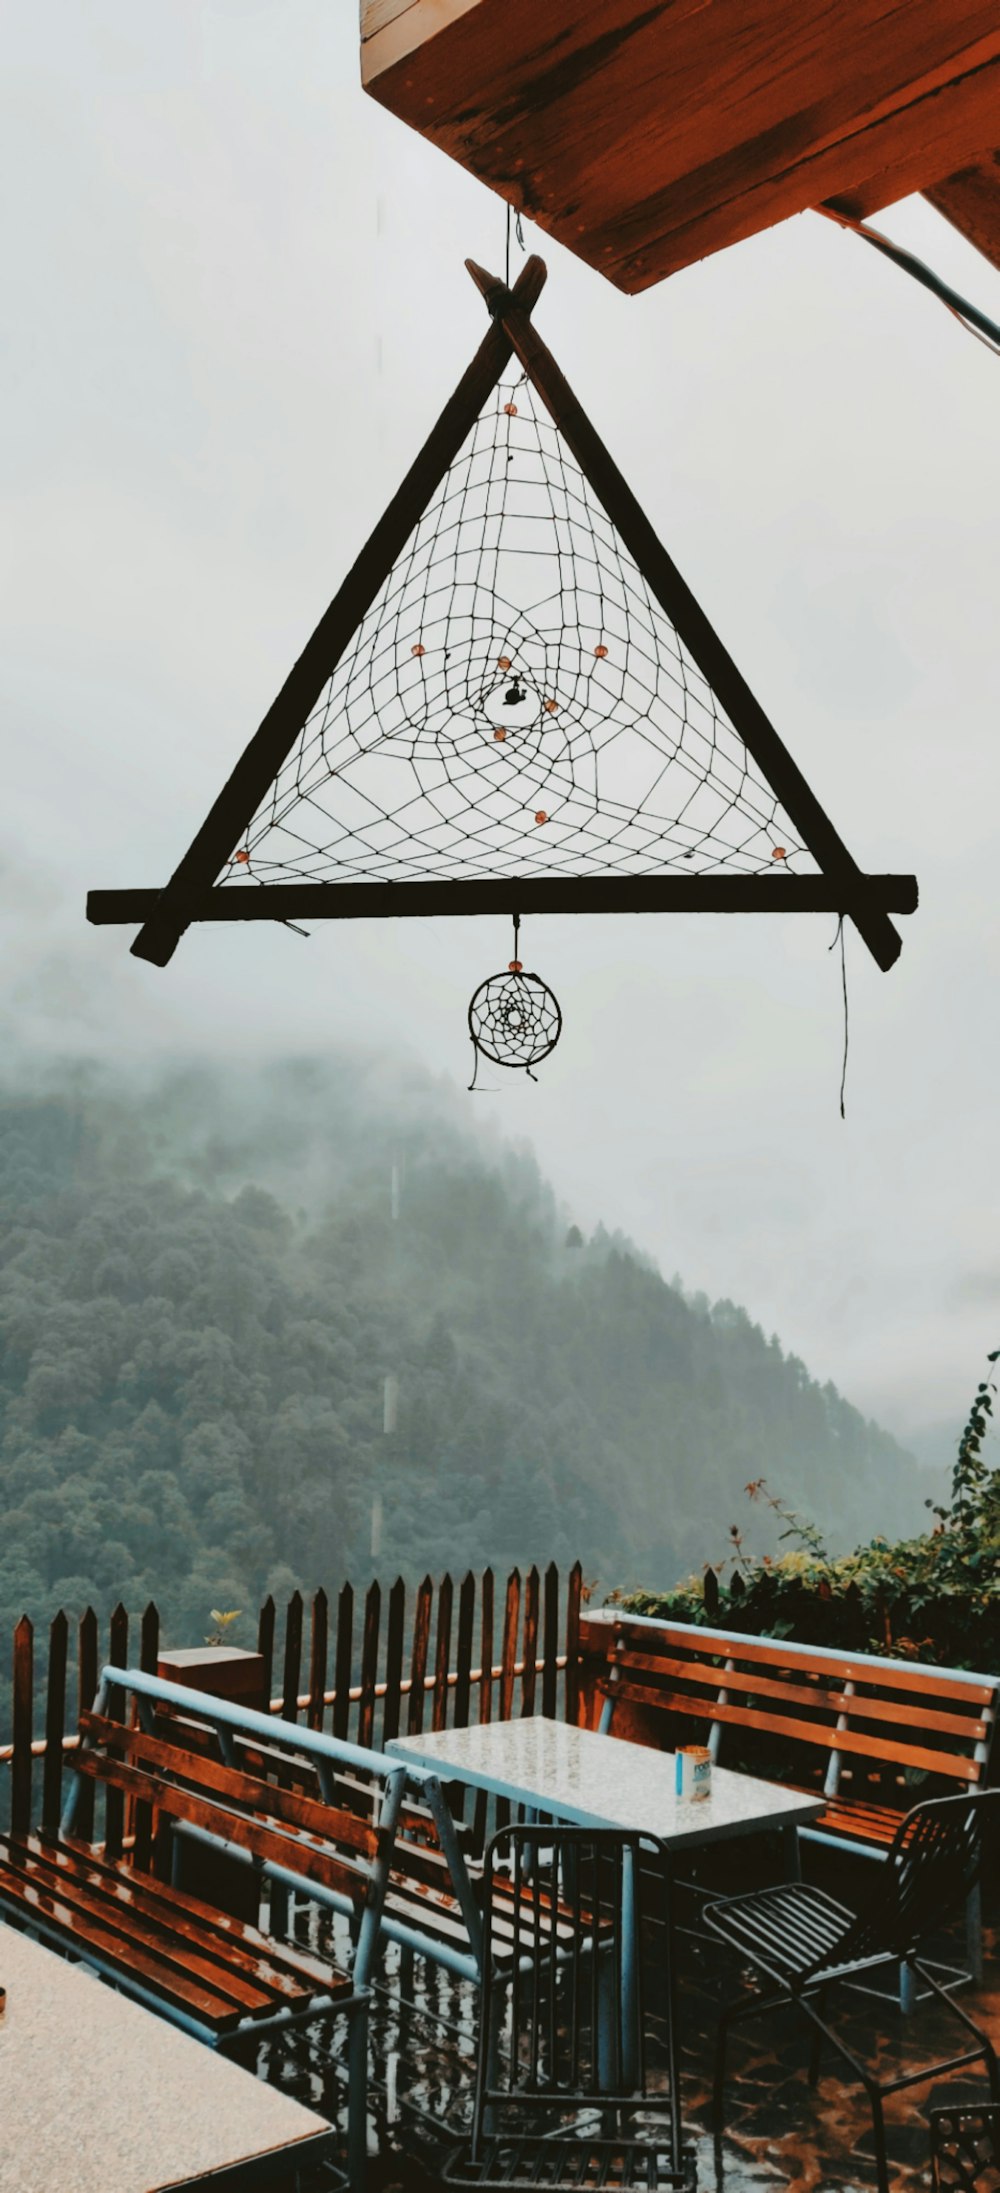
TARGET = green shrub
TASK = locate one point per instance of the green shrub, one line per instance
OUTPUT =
(935, 1598)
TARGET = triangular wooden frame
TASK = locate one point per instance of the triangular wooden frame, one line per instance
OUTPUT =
(192, 893)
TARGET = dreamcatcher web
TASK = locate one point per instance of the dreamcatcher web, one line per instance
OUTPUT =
(515, 703)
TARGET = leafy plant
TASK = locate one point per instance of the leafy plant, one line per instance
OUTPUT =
(220, 1634)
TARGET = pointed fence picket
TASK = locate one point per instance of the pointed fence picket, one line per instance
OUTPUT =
(405, 1658)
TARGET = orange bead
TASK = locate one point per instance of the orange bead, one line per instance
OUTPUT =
(541, 815)
(243, 856)
(778, 853)
(600, 652)
(418, 650)
(551, 707)
(514, 966)
(500, 733)
(503, 662)
(511, 410)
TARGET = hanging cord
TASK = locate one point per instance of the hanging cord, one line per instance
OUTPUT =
(839, 937)
(519, 233)
(968, 316)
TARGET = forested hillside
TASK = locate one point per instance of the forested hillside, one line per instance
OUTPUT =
(204, 1287)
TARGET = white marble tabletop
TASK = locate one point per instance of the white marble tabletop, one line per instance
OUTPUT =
(604, 1781)
(98, 2095)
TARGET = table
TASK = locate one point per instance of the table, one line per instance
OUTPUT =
(98, 2095)
(604, 1781)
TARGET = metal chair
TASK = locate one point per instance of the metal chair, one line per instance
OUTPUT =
(562, 2096)
(806, 1942)
(965, 2148)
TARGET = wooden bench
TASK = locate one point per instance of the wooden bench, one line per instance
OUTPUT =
(186, 1766)
(874, 1734)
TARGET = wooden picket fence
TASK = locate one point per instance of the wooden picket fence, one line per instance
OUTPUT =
(478, 1654)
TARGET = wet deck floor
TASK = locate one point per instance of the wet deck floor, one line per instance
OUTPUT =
(778, 2130)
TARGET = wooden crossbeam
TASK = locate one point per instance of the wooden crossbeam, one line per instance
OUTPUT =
(870, 897)
(689, 620)
(270, 746)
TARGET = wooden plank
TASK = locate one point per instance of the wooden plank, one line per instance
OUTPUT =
(393, 1661)
(291, 1972)
(550, 1641)
(529, 1642)
(120, 1951)
(508, 1644)
(890, 1675)
(834, 1701)
(300, 1853)
(343, 1669)
(23, 1728)
(442, 1658)
(55, 1724)
(418, 1656)
(645, 136)
(574, 1595)
(265, 1643)
(463, 1650)
(317, 1660)
(234, 1783)
(369, 1664)
(87, 1690)
(254, 773)
(291, 1679)
(727, 682)
(806, 1732)
(114, 1809)
(779, 891)
(970, 200)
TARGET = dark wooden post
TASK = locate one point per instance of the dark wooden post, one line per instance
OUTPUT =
(550, 1641)
(343, 1665)
(439, 1695)
(114, 1802)
(265, 1645)
(87, 1691)
(573, 1597)
(508, 1648)
(463, 1653)
(317, 1659)
(369, 1663)
(393, 1661)
(149, 1660)
(55, 1725)
(529, 1648)
(292, 1671)
(418, 1656)
(23, 1730)
(486, 1649)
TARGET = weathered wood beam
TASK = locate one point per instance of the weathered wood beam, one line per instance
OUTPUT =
(260, 761)
(970, 200)
(784, 893)
(727, 682)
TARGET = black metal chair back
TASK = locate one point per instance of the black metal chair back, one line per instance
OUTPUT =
(934, 1863)
(965, 2148)
(564, 2003)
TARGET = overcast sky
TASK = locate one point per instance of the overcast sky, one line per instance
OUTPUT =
(233, 302)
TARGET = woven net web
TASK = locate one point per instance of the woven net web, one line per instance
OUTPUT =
(515, 703)
(514, 1019)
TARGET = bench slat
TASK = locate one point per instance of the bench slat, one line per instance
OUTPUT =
(286, 1805)
(779, 1654)
(831, 1701)
(806, 1732)
(294, 1975)
(298, 1854)
(126, 1956)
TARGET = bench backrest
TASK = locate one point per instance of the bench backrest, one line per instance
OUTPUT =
(845, 1708)
(189, 1762)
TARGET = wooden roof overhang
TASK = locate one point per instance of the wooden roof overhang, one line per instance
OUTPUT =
(645, 134)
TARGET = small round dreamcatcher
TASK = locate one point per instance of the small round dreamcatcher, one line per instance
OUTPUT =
(514, 1018)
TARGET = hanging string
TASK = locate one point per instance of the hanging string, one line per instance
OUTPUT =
(519, 233)
(839, 937)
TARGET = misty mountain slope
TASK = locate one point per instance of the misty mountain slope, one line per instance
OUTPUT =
(204, 1289)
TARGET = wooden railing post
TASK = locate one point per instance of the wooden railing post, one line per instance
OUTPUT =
(87, 1692)
(573, 1597)
(393, 1661)
(20, 1764)
(529, 1643)
(114, 1802)
(550, 1641)
(463, 1654)
(418, 1656)
(292, 1665)
(343, 1661)
(55, 1724)
(369, 1663)
(439, 1709)
(317, 1659)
